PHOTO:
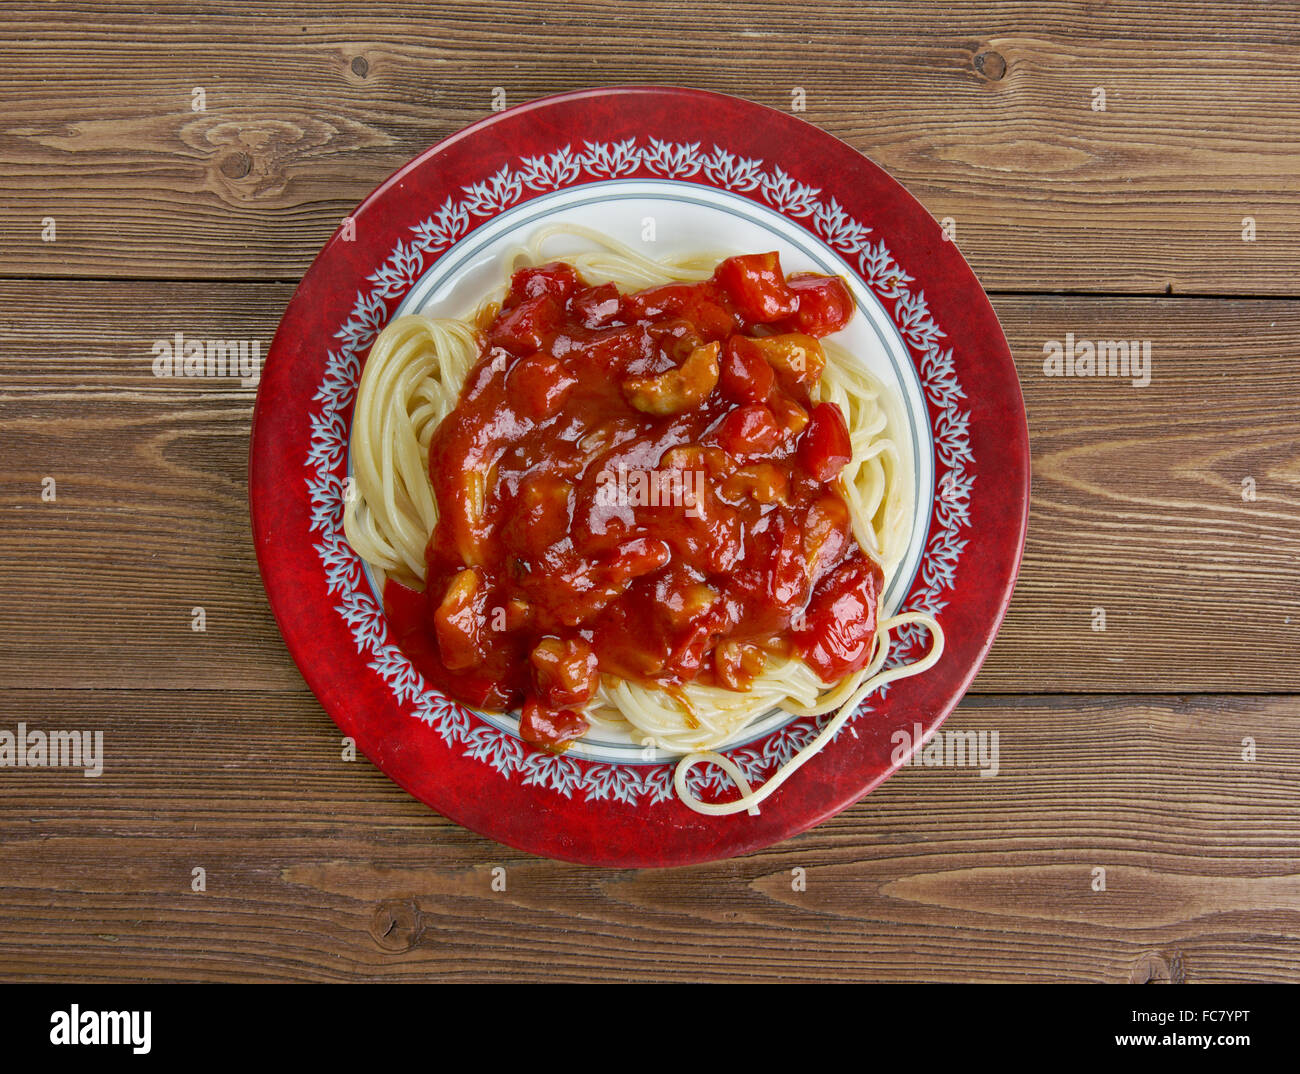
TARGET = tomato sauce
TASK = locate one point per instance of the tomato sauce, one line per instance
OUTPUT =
(640, 485)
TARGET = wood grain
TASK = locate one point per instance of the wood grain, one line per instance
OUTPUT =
(1137, 507)
(985, 115)
(321, 869)
(1174, 509)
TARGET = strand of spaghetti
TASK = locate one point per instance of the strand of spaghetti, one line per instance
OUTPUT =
(411, 381)
(830, 699)
(875, 482)
(720, 714)
(619, 263)
(750, 799)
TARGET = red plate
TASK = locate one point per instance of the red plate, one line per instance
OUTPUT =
(701, 164)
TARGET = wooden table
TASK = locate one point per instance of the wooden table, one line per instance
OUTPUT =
(1172, 215)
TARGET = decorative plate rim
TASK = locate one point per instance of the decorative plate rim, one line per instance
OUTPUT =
(502, 184)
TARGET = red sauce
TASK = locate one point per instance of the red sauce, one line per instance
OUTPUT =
(639, 485)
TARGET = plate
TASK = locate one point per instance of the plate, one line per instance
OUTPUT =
(673, 170)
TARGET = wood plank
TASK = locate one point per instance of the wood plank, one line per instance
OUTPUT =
(150, 519)
(986, 115)
(1172, 508)
(323, 870)
(1137, 508)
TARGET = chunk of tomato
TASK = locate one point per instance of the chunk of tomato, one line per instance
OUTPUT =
(750, 430)
(788, 583)
(595, 307)
(555, 279)
(837, 631)
(554, 730)
(745, 374)
(538, 385)
(528, 326)
(824, 304)
(824, 447)
(757, 287)
(691, 301)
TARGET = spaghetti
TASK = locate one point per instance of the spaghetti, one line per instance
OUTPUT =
(423, 370)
